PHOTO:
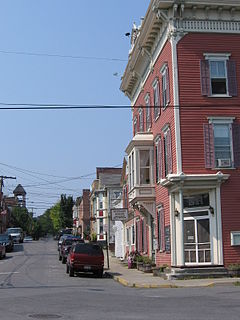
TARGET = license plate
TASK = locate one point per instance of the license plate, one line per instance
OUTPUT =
(87, 267)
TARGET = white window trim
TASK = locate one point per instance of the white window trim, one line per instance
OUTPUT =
(148, 111)
(219, 57)
(163, 73)
(233, 233)
(155, 84)
(227, 122)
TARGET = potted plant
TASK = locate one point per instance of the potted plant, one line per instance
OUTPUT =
(139, 262)
(147, 264)
(234, 270)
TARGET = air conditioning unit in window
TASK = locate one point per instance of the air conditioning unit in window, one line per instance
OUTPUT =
(223, 163)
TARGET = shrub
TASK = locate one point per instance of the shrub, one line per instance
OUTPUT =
(234, 266)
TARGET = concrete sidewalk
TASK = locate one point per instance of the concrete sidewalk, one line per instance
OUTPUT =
(138, 279)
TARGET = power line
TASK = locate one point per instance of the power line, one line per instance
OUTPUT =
(49, 106)
(53, 55)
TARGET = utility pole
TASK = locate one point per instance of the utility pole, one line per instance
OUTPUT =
(1, 186)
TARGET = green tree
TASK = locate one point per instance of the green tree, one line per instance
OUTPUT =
(66, 205)
(21, 218)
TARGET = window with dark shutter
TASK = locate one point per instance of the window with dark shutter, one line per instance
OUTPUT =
(158, 155)
(156, 97)
(165, 86)
(167, 153)
(208, 145)
(161, 229)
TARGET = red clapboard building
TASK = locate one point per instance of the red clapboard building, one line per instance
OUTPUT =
(183, 81)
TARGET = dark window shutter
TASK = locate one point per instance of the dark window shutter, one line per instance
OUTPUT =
(160, 159)
(209, 145)
(205, 77)
(167, 86)
(140, 236)
(157, 109)
(232, 78)
(236, 143)
(162, 229)
(169, 151)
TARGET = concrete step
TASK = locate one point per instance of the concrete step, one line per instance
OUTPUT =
(197, 273)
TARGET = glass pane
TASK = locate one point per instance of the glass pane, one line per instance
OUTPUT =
(144, 176)
(207, 256)
(201, 256)
(189, 231)
(217, 69)
(221, 131)
(144, 158)
(203, 230)
(193, 256)
(219, 86)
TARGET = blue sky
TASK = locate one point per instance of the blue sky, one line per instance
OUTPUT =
(63, 143)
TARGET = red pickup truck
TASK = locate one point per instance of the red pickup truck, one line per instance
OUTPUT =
(85, 257)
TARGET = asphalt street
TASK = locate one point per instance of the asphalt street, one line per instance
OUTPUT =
(34, 285)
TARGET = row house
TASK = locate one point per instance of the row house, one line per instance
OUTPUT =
(183, 81)
(105, 193)
(81, 214)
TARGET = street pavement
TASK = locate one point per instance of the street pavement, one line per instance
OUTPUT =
(138, 279)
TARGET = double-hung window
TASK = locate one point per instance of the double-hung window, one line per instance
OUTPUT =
(167, 152)
(135, 125)
(148, 112)
(145, 168)
(156, 98)
(141, 121)
(165, 85)
(222, 143)
(218, 75)
(158, 159)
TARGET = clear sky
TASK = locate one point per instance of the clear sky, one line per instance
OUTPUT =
(63, 143)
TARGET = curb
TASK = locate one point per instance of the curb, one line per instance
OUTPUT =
(128, 284)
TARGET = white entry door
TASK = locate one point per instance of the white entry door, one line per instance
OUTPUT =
(197, 244)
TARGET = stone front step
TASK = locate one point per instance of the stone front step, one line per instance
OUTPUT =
(197, 273)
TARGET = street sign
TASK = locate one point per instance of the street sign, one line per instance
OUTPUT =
(119, 214)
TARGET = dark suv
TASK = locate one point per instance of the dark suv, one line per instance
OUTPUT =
(65, 247)
(85, 257)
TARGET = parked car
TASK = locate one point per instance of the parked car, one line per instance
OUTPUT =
(28, 239)
(65, 247)
(2, 251)
(65, 236)
(7, 241)
(17, 234)
(85, 257)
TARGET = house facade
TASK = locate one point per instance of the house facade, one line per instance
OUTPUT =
(81, 214)
(183, 81)
(105, 194)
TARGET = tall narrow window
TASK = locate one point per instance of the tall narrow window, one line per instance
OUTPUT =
(133, 234)
(165, 86)
(135, 125)
(218, 75)
(148, 112)
(158, 159)
(161, 229)
(222, 145)
(144, 167)
(130, 172)
(167, 152)
(141, 121)
(156, 97)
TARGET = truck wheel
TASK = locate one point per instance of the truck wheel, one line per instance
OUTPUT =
(59, 257)
(71, 272)
(99, 273)
(67, 268)
(63, 260)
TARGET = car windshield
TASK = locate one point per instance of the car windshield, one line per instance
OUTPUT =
(87, 248)
(14, 230)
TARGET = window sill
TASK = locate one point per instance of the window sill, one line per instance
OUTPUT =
(220, 96)
(224, 168)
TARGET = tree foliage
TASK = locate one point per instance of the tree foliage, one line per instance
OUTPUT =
(20, 217)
